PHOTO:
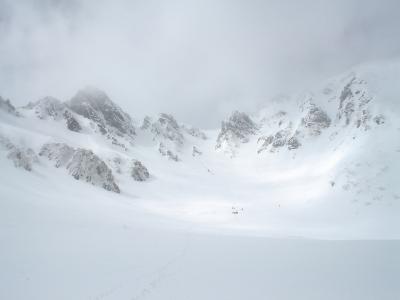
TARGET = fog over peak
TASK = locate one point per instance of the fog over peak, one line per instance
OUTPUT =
(196, 59)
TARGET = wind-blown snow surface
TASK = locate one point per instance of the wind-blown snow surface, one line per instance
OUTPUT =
(319, 221)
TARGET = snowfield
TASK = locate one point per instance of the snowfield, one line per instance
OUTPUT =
(60, 242)
(297, 202)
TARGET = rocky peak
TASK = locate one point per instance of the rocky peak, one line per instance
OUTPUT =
(95, 105)
(168, 128)
(315, 120)
(354, 102)
(237, 129)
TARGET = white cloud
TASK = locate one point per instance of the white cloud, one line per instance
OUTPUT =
(191, 58)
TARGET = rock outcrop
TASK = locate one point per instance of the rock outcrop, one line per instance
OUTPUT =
(282, 138)
(87, 166)
(167, 152)
(196, 151)
(166, 127)
(315, 120)
(354, 103)
(237, 129)
(139, 172)
(81, 164)
(72, 123)
(52, 108)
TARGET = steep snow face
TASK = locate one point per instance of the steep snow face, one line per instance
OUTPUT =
(234, 131)
(95, 105)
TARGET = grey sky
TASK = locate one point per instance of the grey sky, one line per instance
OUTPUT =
(197, 59)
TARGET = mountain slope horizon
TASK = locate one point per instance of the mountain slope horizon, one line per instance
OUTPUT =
(312, 144)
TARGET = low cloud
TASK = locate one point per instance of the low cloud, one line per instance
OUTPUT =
(196, 59)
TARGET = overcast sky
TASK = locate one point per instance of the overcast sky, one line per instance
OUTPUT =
(197, 59)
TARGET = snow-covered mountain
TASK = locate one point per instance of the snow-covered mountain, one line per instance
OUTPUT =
(341, 139)
(124, 211)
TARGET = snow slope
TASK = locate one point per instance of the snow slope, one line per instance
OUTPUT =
(217, 218)
(63, 243)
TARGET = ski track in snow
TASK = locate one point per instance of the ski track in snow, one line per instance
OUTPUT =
(152, 280)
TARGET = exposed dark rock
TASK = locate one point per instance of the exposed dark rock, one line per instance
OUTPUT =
(346, 93)
(139, 172)
(168, 153)
(87, 166)
(353, 106)
(196, 151)
(115, 142)
(237, 129)
(284, 137)
(316, 120)
(95, 105)
(293, 143)
(166, 127)
(380, 119)
(82, 164)
(72, 123)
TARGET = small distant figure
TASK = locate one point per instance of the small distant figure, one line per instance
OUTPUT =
(235, 210)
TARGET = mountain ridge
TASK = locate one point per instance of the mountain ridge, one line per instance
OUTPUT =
(338, 142)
